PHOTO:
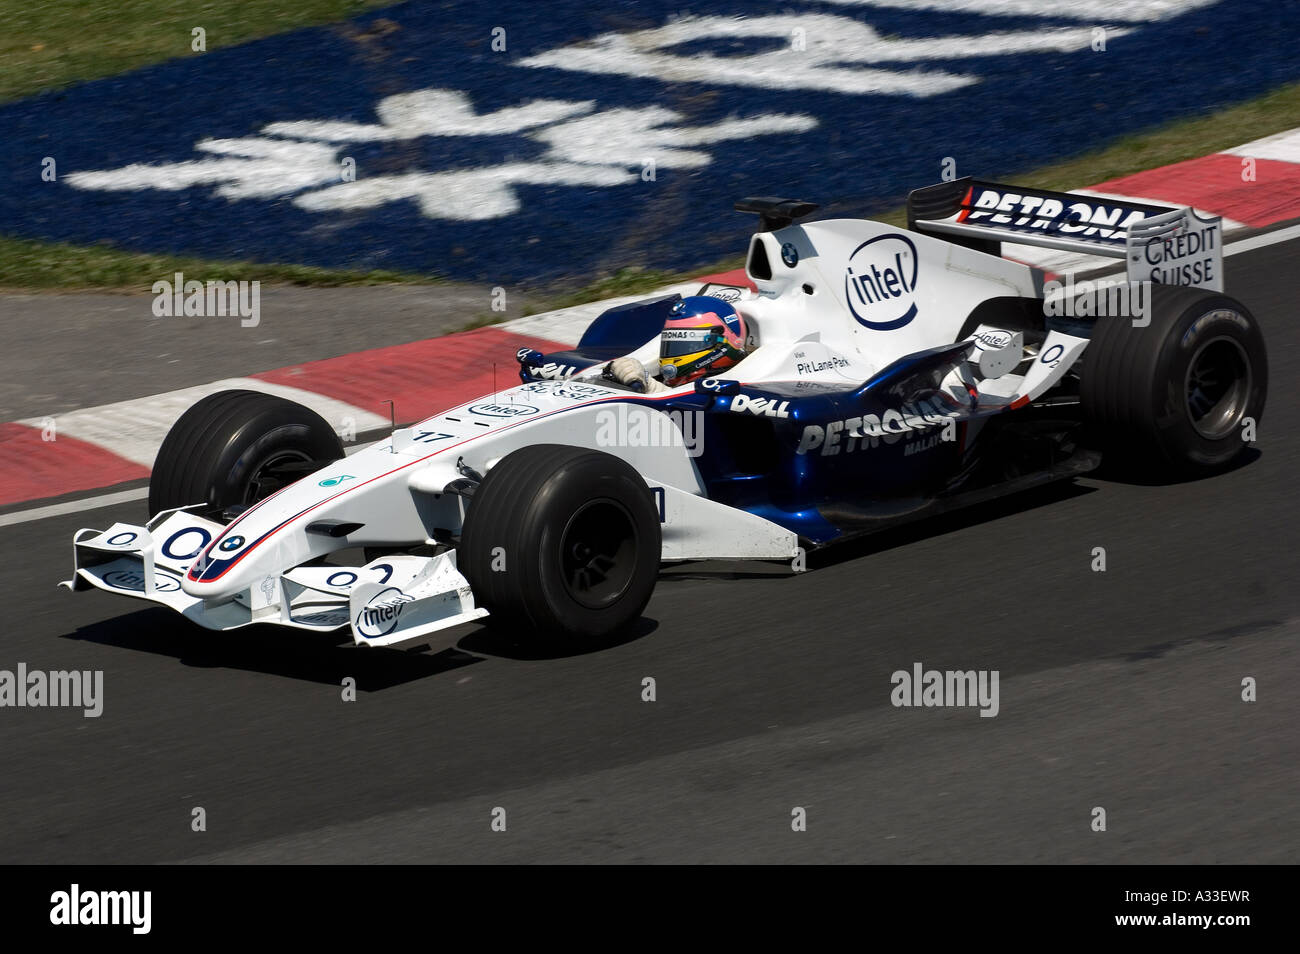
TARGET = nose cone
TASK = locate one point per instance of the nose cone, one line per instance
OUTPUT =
(223, 569)
(211, 589)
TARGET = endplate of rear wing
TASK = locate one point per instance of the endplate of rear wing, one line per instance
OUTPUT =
(1159, 243)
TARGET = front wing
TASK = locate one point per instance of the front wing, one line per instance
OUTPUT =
(390, 600)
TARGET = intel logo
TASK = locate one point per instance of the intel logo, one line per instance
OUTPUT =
(380, 614)
(995, 339)
(503, 410)
(134, 580)
(880, 282)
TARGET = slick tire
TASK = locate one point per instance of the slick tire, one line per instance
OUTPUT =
(234, 448)
(561, 542)
(1175, 398)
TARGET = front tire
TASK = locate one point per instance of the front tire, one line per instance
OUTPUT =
(1173, 398)
(563, 542)
(233, 448)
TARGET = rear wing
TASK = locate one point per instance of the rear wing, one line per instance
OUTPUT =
(1161, 244)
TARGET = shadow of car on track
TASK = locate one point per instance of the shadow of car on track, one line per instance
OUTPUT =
(490, 641)
(324, 658)
(1115, 475)
(311, 657)
(923, 529)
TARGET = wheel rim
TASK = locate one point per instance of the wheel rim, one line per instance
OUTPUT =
(598, 553)
(1217, 386)
(276, 471)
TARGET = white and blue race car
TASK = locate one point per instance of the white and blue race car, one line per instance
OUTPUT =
(897, 373)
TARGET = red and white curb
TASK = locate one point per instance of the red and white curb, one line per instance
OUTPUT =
(101, 446)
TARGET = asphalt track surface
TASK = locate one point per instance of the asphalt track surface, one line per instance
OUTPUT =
(75, 351)
(1119, 690)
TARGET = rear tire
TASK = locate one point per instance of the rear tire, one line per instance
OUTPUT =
(234, 448)
(563, 542)
(1172, 398)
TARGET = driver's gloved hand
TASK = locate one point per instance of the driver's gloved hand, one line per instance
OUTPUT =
(631, 372)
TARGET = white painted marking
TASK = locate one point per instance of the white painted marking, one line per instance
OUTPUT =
(253, 168)
(1283, 146)
(470, 195)
(627, 137)
(73, 506)
(433, 112)
(832, 54)
(135, 429)
(1094, 11)
(1260, 241)
(603, 149)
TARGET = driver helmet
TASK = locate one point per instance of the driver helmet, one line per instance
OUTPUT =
(703, 335)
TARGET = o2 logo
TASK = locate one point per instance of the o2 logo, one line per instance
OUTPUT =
(183, 545)
(880, 282)
(345, 578)
(716, 384)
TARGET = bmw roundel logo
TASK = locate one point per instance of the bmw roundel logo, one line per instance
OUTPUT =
(231, 543)
(789, 255)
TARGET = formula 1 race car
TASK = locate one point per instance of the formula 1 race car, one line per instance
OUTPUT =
(895, 373)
